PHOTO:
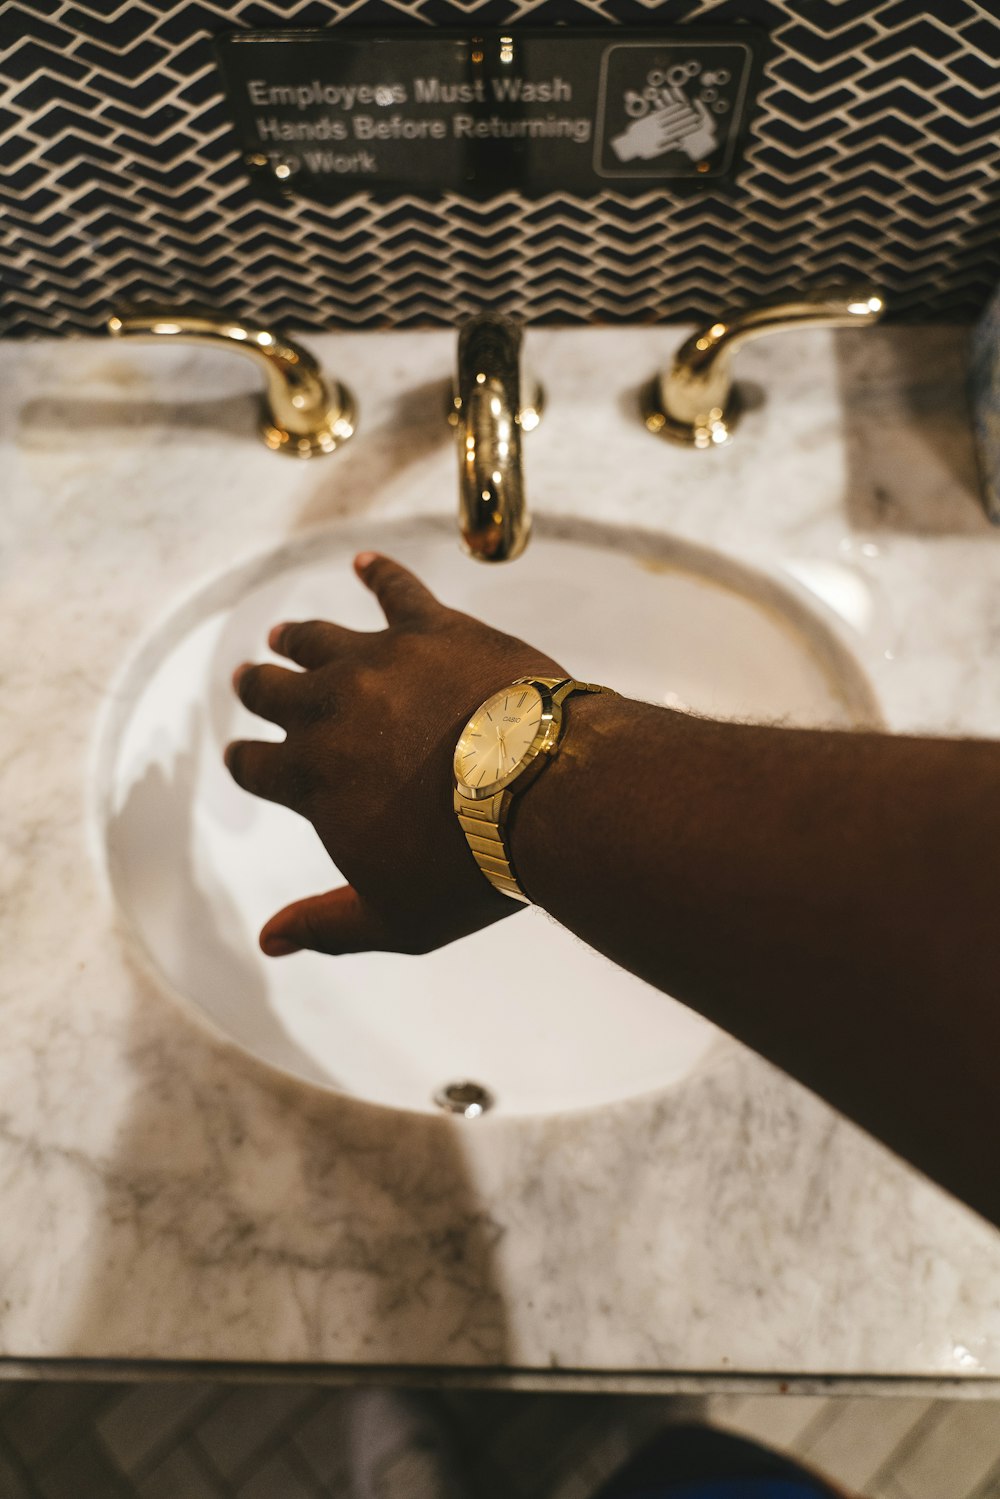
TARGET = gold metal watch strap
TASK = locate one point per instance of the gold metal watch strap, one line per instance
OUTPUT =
(565, 686)
(484, 823)
(481, 822)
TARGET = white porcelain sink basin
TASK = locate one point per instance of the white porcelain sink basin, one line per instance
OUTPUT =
(197, 865)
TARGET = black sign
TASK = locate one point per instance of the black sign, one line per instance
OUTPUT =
(326, 113)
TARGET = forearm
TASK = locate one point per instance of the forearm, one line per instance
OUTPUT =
(829, 898)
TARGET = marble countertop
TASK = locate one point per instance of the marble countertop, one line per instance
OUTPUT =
(165, 1198)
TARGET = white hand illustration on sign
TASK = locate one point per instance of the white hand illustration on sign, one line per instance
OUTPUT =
(664, 119)
(702, 141)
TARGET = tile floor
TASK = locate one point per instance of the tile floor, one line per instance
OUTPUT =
(287, 1441)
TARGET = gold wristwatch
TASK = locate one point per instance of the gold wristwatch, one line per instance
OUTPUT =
(503, 747)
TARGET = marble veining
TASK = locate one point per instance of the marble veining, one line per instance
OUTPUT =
(163, 1196)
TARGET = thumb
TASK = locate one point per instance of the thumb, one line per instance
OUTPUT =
(403, 597)
(336, 922)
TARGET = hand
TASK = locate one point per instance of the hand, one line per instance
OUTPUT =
(371, 725)
(662, 130)
(703, 140)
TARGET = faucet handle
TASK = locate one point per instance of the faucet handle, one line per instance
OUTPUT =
(304, 414)
(693, 402)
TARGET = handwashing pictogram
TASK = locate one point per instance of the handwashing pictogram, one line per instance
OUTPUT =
(663, 116)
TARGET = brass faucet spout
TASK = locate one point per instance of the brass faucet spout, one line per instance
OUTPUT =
(693, 402)
(304, 414)
(489, 417)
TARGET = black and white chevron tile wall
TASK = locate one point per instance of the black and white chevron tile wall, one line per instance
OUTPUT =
(873, 155)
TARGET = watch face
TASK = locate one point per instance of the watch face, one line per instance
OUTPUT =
(497, 737)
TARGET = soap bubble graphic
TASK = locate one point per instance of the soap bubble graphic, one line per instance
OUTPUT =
(666, 88)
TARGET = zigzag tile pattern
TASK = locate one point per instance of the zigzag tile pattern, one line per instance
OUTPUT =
(874, 155)
(182, 1440)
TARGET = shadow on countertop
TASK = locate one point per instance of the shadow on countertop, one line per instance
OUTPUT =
(247, 1218)
(910, 453)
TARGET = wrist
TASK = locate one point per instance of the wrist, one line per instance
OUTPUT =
(624, 146)
(595, 728)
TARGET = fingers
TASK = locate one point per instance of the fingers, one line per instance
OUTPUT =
(270, 692)
(316, 642)
(313, 643)
(404, 599)
(263, 770)
(336, 922)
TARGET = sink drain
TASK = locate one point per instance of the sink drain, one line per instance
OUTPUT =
(466, 1098)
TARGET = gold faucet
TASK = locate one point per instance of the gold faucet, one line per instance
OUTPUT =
(488, 415)
(693, 402)
(303, 413)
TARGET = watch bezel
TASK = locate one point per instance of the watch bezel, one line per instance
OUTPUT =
(544, 741)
